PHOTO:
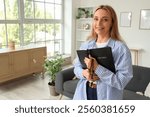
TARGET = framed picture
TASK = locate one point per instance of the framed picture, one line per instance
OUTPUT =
(125, 19)
(145, 19)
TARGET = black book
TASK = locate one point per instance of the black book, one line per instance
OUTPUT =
(102, 55)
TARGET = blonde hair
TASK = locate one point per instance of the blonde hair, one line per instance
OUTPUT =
(114, 31)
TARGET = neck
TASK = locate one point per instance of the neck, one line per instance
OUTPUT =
(101, 39)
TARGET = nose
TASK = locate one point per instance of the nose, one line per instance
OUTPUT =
(99, 22)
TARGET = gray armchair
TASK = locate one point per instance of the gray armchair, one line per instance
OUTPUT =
(65, 84)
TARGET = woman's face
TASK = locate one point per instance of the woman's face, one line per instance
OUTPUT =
(102, 22)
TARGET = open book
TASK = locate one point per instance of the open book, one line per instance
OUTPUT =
(102, 55)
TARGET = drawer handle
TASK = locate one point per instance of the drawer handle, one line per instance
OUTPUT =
(34, 61)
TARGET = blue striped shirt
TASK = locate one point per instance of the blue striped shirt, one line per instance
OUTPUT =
(109, 86)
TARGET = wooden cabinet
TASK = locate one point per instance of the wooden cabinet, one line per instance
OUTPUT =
(37, 59)
(21, 62)
(5, 65)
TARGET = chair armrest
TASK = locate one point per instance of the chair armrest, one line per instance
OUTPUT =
(61, 77)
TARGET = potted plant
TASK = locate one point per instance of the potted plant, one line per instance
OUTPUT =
(11, 44)
(52, 66)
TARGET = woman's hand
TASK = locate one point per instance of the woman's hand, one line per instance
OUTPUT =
(91, 62)
(88, 76)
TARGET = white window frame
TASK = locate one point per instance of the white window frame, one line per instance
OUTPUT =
(22, 20)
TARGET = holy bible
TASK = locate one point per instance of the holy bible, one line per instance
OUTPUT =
(102, 55)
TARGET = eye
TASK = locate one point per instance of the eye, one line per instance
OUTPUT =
(105, 19)
(95, 19)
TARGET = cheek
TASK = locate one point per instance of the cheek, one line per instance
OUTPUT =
(109, 25)
(94, 25)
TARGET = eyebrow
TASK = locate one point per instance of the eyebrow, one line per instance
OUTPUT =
(102, 17)
(105, 17)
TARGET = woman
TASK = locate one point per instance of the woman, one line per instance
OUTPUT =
(109, 85)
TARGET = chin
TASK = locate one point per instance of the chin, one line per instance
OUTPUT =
(100, 32)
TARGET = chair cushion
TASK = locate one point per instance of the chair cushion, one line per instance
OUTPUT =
(147, 91)
(70, 86)
(130, 95)
(140, 80)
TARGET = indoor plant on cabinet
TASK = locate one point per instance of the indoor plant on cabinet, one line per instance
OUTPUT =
(52, 66)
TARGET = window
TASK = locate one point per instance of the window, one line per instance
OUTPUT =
(30, 22)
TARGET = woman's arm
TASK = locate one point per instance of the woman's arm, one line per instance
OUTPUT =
(123, 66)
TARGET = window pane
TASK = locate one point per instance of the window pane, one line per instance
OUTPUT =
(36, 28)
(50, 1)
(58, 1)
(28, 9)
(2, 16)
(11, 9)
(58, 46)
(40, 43)
(49, 11)
(2, 35)
(28, 33)
(50, 48)
(40, 32)
(13, 32)
(54, 47)
(57, 11)
(58, 31)
(39, 10)
(50, 31)
(39, 0)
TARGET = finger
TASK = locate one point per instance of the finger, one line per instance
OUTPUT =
(86, 58)
(90, 56)
(90, 78)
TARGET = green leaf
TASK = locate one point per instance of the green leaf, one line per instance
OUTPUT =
(53, 66)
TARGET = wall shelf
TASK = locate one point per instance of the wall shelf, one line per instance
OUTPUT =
(83, 25)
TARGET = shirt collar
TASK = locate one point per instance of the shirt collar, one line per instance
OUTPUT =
(92, 43)
(111, 43)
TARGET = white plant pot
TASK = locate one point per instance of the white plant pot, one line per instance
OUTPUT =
(52, 90)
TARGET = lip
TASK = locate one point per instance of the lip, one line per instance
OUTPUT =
(99, 28)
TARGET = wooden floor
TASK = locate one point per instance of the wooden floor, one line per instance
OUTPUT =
(27, 88)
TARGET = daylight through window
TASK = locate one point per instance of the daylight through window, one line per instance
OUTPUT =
(30, 22)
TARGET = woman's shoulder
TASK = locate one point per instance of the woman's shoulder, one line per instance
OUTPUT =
(121, 46)
(117, 43)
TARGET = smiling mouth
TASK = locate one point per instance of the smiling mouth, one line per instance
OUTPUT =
(99, 28)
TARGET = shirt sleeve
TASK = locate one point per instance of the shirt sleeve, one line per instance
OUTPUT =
(77, 65)
(123, 65)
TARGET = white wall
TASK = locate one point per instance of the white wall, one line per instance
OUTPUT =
(133, 36)
(69, 26)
